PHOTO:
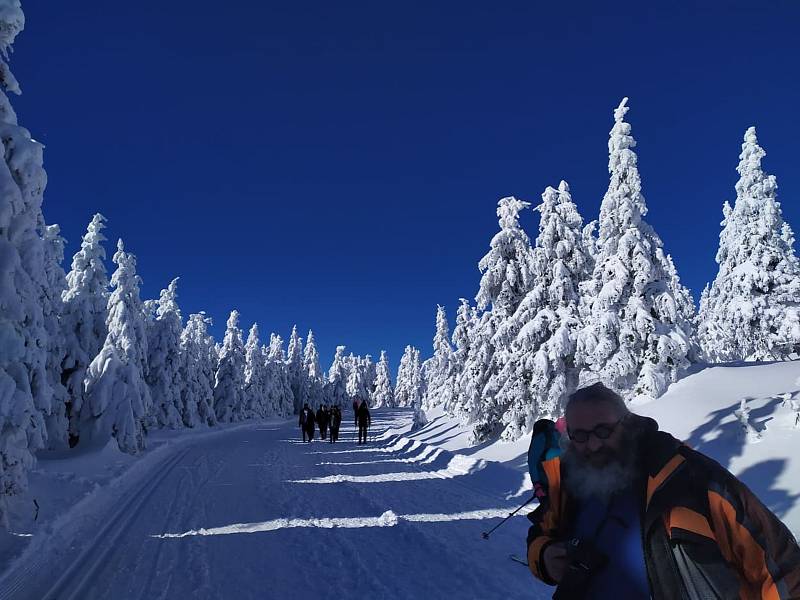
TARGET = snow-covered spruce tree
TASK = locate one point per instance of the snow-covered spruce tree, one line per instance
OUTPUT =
(370, 375)
(198, 363)
(752, 309)
(117, 395)
(637, 337)
(542, 371)
(84, 317)
(313, 378)
(229, 376)
(466, 320)
(255, 372)
(417, 388)
(439, 370)
(164, 359)
(355, 383)
(403, 385)
(279, 390)
(52, 311)
(358, 385)
(24, 388)
(294, 366)
(507, 277)
(384, 394)
(748, 432)
(336, 387)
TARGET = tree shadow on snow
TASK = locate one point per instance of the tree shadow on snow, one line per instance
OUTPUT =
(761, 478)
(730, 440)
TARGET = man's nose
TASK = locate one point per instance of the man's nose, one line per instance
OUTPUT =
(593, 444)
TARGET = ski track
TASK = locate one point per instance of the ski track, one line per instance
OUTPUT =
(317, 541)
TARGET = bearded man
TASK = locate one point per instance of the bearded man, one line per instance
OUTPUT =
(632, 512)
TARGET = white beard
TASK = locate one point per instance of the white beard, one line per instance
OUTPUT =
(584, 481)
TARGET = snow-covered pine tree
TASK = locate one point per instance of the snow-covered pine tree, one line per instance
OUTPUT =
(439, 371)
(229, 376)
(748, 432)
(117, 395)
(279, 390)
(370, 375)
(255, 372)
(507, 277)
(84, 317)
(336, 387)
(199, 361)
(752, 309)
(542, 371)
(383, 394)
(356, 379)
(164, 359)
(313, 377)
(294, 367)
(26, 393)
(417, 388)
(403, 392)
(638, 337)
(463, 333)
(52, 311)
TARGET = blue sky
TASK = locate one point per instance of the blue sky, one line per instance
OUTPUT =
(337, 165)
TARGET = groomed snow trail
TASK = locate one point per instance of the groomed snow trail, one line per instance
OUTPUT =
(255, 513)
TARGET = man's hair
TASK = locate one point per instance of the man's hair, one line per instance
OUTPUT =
(595, 394)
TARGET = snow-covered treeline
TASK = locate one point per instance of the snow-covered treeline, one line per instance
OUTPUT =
(603, 302)
(84, 360)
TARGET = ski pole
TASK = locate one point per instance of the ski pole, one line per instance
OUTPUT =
(485, 535)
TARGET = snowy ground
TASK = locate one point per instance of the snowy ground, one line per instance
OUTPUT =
(252, 512)
(249, 511)
(699, 409)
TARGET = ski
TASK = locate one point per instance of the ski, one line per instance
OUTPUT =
(516, 558)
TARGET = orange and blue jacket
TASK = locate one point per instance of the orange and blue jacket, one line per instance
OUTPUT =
(704, 533)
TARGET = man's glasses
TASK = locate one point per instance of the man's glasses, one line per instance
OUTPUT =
(601, 432)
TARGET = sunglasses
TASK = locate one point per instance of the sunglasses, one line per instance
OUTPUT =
(601, 432)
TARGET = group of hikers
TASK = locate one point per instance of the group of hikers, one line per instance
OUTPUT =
(326, 418)
(629, 511)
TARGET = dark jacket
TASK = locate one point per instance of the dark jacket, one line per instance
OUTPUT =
(322, 418)
(307, 418)
(363, 416)
(336, 418)
(704, 533)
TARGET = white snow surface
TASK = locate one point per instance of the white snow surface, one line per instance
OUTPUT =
(249, 511)
(226, 514)
(701, 410)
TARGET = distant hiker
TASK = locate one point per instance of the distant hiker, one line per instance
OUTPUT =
(545, 444)
(307, 423)
(322, 421)
(336, 421)
(632, 512)
(364, 421)
(355, 410)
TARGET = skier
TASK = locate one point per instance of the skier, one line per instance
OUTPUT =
(336, 421)
(322, 421)
(307, 423)
(364, 421)
(545, 444)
